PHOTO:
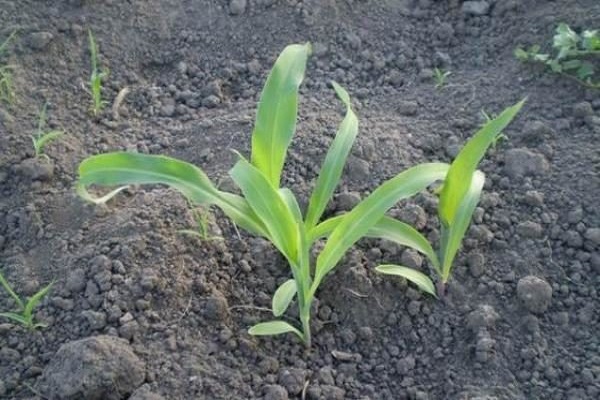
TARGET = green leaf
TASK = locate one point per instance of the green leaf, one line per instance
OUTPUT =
(521, 54)
(399, 232)
(273, 328)
(120, 168)
(571, 64)
(11, 292)
(591, 40)
(17, 318)
(41, 142)
(585, 71)
(269, 206)
(457, 181)
(418, 278)
(368, 212)
(277, 111)
(333, 166)
(35, 299)
(453, 234)
(283, 297)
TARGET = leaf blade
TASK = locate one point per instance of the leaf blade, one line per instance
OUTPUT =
(422, 281)
(283, 297)
(333, 165)
(277, 111)
(270, 328)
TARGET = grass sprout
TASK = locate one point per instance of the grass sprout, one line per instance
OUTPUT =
(439, 75)
(97, 76)
(24, 315)
(7, 94)
(40, 139)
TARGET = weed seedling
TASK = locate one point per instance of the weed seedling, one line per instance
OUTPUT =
(202, 229)
(571, 57)
(7, 93)
(439, 75)
(96, 77)
(40, 138)
(24, 316)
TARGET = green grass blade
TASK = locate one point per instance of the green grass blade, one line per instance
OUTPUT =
(114, 169)
(41, 142)
(452, 236)
(93, 52)
(6, 42)
(273, 328)
(422, 281)
(277, 111)
(11, 292)
(324, 228)
(333, 166)
(457, 182)
(402, 233)
(16, 318)
(368, 212)
(269, 206)
(34, 300)
(283, 297)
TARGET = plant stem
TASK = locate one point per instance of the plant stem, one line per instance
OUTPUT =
(305, 318)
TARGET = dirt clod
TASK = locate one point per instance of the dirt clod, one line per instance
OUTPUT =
(535, 293)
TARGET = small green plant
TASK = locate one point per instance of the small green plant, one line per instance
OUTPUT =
(96, 77)
(201, 231)
(439, 75)
(572, 55)
(271, 211)
(40, 139)
(459, 196)
(24, 315)
(7, 93)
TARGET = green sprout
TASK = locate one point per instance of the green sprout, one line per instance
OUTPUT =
(40, 139)
(202, 230)
(572, 55)
(269, 210)
(439, 75)
(96, 77)
(7, 93)
(24, 316)
(459, 196)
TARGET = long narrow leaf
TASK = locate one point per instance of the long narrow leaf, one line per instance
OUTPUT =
(417, 277)
(17, 318)
(458, 180)
(41, 142)
(11, 292)
(277, 111)
(333, 166)
(269, 206)
(35, 299)
(369, 211)
(120, 168)
(273, 328)
(283, 297)
(452, 235)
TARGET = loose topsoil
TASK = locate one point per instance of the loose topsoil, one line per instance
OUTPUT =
(140, 311)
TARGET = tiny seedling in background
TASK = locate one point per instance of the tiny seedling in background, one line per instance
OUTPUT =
(7, 93)
(96, 77)
(202, 225)
(572, 57)
(439, 75)
(40, 138)
(24, 316)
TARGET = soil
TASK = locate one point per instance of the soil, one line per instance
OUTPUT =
(522, 315)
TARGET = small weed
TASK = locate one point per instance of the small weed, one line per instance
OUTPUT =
(202, 225)
(40, 139)
(439, 75)
(96, 77)
(24, 316)
(7, 94)
(571, 57)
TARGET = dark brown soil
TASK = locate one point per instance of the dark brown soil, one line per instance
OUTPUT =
(194, 69)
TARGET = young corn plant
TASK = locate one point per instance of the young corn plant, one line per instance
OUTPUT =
(40, 139)
(7, 93)
(439, 75)
(24, 316)
(96, 77)
(269, 210)
(573, 54)
(459, 196)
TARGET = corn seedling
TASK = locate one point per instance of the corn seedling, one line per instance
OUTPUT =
(24, 316)
(40, 139)
(459, 196)
(96, 77)
(269, 210)
(572, 55)
(7, 93)
(439, 75)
